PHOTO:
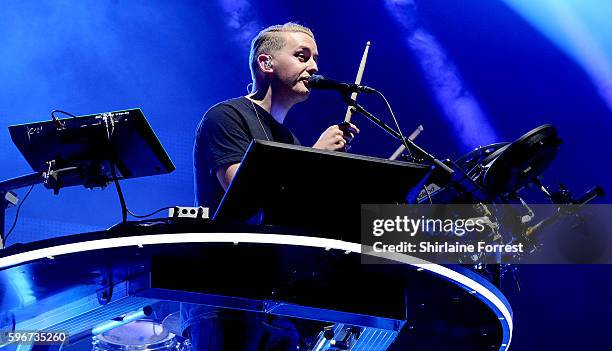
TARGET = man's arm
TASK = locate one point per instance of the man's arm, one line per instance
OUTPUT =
(221, 142)
(334, 138)
(225, 174)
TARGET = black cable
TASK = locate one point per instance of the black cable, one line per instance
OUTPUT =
(150, 214)
(124, 210)
(59, 124)
(399, 130)
(62, 112)
(17, 213)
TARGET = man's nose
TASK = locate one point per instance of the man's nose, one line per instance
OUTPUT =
(313, 69)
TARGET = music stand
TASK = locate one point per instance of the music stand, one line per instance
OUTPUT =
(85, 147)
(304, 187)
(85, 151)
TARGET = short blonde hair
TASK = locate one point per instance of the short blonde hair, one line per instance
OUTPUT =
(268, 41)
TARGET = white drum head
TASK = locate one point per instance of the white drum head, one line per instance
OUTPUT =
(137, 335)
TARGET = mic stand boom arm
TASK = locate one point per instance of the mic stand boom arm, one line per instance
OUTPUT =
(409, 144)
(455, 178)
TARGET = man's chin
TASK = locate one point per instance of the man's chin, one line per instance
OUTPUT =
(302, 94)
(302, 87)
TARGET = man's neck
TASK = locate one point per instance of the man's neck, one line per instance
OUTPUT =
(276, 106)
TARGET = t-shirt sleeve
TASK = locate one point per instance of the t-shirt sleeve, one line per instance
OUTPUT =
(222, 138)
(296, 141)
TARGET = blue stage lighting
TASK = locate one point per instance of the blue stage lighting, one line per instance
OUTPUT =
(471, 125)
(241, 19)
(581, 29)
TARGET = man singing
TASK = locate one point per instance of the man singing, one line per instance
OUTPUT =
(282, 58)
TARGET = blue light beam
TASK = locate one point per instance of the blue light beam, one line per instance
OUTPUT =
(457, 103)
(241, 19)
(581, 29)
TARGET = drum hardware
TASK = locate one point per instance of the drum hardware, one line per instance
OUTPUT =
(399, 152)
(471, 167)
(528, 217)
(512, 167)
(501, 171)
(561, 197)
(494, 236)
(411, 158)
(478, 160)
(591, 195)
(448, 188)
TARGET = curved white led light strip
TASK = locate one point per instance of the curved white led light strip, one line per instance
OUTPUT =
(470, 284)
(258, 238)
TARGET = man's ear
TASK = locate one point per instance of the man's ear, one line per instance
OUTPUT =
(265, 63)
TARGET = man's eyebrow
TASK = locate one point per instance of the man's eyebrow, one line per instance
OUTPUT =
(306, 48)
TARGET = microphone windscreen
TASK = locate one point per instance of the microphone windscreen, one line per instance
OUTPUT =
(316, 81)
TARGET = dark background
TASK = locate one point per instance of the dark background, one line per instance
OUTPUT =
(471, 72)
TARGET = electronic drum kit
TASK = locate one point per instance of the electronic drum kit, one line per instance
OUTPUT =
(501, 173)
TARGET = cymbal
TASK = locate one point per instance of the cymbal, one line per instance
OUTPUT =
(514, 166)
(474, 161)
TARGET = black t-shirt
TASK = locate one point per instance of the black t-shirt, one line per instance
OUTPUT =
(222, 138)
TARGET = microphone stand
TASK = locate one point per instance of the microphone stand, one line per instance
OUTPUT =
(409, 144)
(454, 178)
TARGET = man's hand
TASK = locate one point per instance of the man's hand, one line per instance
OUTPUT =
(337, 137)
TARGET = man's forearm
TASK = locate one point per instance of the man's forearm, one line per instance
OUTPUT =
(225, 174)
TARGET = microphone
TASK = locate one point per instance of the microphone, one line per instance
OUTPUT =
(319, 82)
